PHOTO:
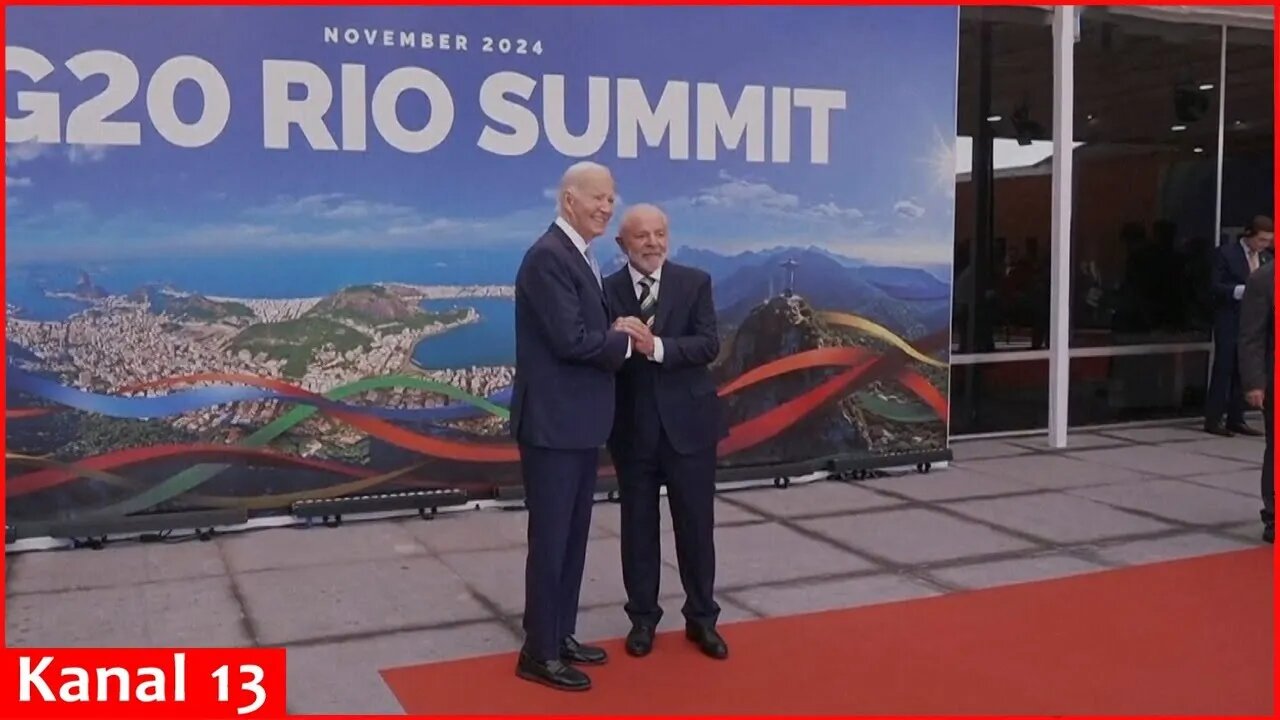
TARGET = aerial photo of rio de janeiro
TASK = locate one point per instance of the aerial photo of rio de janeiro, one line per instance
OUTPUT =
(332, 317)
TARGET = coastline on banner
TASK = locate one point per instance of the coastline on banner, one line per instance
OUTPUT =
(264, 255)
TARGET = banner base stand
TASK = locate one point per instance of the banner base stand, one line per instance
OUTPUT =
(94, 532)
(331, 510)
(851, 469)
(836, 468)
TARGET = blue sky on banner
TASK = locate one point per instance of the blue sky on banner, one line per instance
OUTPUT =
(885, 195)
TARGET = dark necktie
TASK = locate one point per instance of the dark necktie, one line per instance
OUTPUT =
(648, 300)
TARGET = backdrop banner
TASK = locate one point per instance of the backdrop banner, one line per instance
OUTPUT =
(262, 255)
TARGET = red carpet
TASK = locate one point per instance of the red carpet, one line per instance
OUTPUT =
(1188, 637)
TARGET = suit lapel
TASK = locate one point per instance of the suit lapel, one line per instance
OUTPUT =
(622, 295)
(668, 299)
(1240, 260)
(580, 262)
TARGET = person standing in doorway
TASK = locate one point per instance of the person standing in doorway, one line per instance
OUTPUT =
(1233, 264)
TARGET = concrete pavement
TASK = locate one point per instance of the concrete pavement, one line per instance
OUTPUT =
(348, 601)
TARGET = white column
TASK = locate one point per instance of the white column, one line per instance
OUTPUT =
(1064, 37)
(1222, 123)
(1217, 178)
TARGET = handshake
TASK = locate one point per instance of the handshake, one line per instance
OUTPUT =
(641, 336)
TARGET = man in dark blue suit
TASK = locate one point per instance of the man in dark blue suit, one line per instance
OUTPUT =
(666, 428)
(1233, 263)
(567, 356)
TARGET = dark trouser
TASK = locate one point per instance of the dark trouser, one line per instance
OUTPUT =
(690, 481)
(1226, 396)
(558, 486)
(1268, 459)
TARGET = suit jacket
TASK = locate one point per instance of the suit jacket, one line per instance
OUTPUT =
(566, 355)
(1257, 330)
(1230, 268)
(678, 395)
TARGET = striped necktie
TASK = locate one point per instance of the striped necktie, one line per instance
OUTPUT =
(648, 300)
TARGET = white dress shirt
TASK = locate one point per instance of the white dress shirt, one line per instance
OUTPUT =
(581, 245)
(636, 277)
(1254, 260)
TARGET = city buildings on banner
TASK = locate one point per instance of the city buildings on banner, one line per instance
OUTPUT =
(260, 257)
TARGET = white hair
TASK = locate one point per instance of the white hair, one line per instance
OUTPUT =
(638, 208)
(573, 177)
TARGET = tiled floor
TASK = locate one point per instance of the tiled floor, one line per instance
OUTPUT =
(351, 600)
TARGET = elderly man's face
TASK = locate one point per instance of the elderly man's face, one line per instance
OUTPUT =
(589, 204)
(643, 237)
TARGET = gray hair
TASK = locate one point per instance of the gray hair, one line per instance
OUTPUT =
(574, 175)
(638, 208)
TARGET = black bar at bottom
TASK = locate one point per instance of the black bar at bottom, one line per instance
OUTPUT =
(92, 527)
(417, 500)
(832, 464)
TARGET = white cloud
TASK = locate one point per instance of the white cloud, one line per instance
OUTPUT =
(18, 153)
(420, 233)
(436, 226)
(379, 224)
(908, 209)
(83, 154)
(734, 193)
(70, 208)
(330, 206)
(740, 195)
(11, 186)
(901, 251)
(345, 222)
(764, 217)
(831, 210)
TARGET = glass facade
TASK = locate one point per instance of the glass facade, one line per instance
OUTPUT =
(1248, 157)
(1004, 126)
(1147, 386)
(1143, 205)
(999, 396)
(1168, 160)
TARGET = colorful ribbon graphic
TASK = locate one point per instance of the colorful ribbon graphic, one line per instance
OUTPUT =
(862, 366)
(245, 388)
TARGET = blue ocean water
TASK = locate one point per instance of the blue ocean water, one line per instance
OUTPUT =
(490, 341)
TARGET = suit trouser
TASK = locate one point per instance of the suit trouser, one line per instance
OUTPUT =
(559, 486)
(1268, 458)
(690, 481)
(1226, 394)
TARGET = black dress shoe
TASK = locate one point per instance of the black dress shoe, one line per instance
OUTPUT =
(1243, 429)
(1269, 534)
(552, 673)
(572, 651)
(640, 641)
(1217, 429)
(708, 641)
